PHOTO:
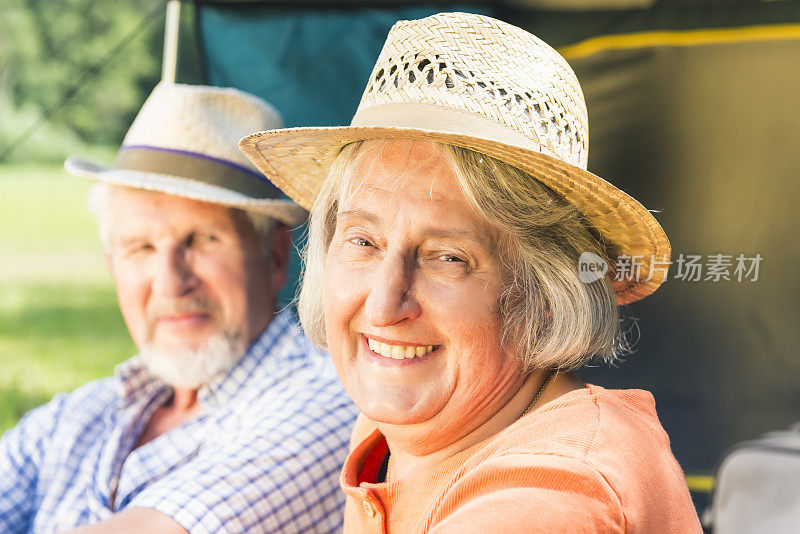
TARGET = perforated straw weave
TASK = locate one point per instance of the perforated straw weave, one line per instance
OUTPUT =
(479, 83)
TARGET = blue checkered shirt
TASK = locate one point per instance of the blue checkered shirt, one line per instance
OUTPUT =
(263, 454)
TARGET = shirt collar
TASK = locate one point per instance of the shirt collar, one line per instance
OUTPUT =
(135, 382)
(226, 386)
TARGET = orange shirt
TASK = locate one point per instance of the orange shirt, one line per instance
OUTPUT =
(593, 460)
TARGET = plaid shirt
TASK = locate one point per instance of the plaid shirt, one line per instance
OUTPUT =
(263, 454)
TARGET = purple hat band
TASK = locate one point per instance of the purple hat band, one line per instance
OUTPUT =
(197, 167)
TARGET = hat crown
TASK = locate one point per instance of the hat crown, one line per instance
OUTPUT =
(486, 68)
(200, 119)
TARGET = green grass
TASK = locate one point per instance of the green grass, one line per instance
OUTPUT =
(59, 322)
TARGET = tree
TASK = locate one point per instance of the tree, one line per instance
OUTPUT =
(50, 47)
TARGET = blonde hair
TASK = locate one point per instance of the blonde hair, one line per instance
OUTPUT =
(550, 318)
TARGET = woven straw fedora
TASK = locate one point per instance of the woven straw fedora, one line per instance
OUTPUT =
(183, 142)
(478, 83)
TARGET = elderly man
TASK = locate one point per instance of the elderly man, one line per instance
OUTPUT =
(227, 420)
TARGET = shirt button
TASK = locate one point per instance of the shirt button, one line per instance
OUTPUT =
(369, 508)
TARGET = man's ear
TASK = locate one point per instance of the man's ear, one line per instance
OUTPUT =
(109, 264)
(280, 244)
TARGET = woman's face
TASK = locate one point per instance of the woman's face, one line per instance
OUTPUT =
(412, 284)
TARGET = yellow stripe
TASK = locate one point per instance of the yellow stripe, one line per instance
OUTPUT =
(701, 483)
(601, 43)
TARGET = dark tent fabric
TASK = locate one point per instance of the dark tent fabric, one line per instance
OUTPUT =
(691, 110)
(694, 116)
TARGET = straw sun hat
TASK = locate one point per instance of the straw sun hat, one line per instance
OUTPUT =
(478, 83)
(183, 142)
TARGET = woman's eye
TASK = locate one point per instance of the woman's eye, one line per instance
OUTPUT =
(450, 258)
(361, 242)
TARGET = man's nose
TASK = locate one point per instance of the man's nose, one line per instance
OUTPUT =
(174, 275)
(392, 299)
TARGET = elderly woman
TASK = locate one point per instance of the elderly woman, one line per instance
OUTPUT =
(448, 223)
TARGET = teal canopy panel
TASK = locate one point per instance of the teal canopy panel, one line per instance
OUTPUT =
(312, 64)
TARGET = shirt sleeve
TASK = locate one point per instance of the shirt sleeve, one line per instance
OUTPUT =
(22, 451)
(262, 481)
(531, 493)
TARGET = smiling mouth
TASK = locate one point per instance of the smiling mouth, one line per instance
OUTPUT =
(400, 352)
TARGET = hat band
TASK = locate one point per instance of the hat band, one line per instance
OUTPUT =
(197, 167)
(441, 119)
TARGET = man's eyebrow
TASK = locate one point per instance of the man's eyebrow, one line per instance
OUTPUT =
(124, 240)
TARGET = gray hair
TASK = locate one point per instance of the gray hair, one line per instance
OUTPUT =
(98, 205)
(550, 318)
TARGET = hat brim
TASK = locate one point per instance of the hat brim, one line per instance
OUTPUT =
(285, 211)
(297, 161)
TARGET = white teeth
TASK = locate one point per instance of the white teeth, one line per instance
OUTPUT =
(398, 352)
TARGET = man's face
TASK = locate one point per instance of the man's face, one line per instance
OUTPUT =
(188, 272)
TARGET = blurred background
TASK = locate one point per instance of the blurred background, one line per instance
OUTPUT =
(692, 110)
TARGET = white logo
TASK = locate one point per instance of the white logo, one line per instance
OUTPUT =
(591, 267)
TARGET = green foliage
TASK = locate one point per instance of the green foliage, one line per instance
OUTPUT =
(47, 46)
(59, 322)
(52, 141)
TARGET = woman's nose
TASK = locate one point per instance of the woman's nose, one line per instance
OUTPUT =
(392, 299)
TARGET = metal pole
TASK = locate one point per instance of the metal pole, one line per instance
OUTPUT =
(169, 63)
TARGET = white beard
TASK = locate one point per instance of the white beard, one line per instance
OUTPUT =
(193, 368)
